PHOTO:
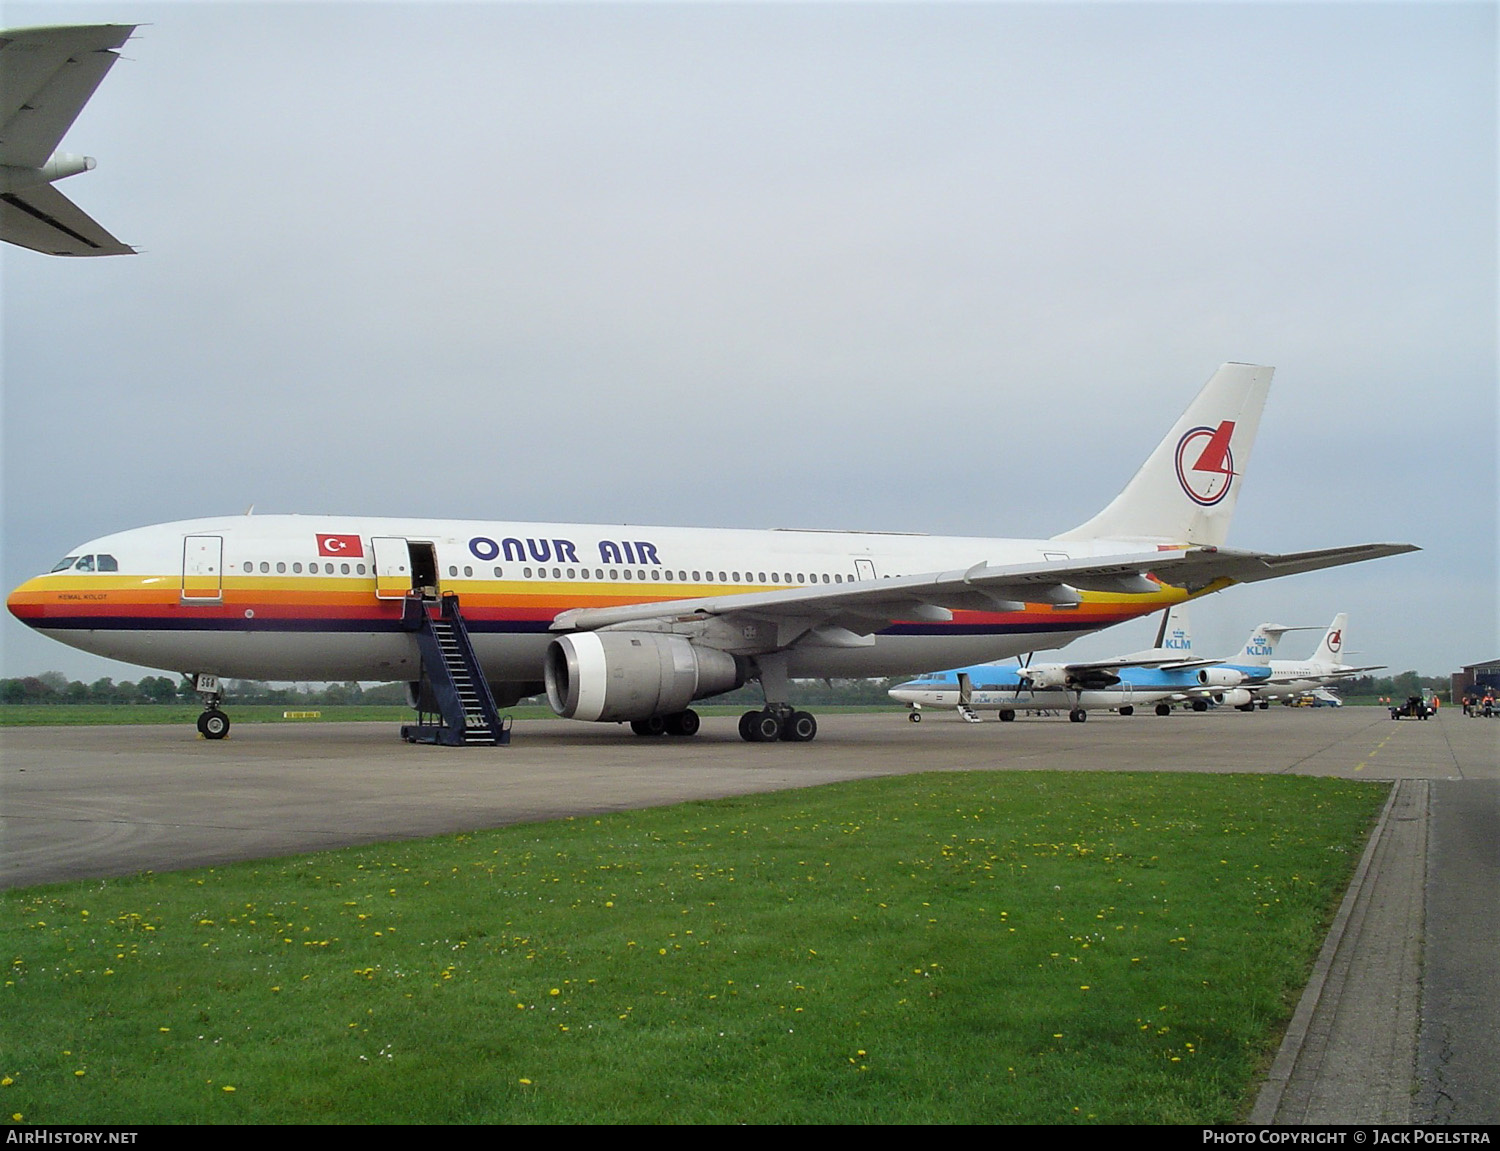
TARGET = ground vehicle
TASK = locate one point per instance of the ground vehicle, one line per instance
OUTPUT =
(1414, 708)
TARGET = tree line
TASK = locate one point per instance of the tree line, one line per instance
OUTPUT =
(52, 687)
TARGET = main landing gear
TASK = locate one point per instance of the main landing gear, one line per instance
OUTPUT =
(213, 723)
(1164, 709)
(772, 724)
(679, 723)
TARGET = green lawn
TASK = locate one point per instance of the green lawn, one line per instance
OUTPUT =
(976, 947)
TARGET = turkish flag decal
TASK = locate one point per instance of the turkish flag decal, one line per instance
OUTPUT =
(339, 546)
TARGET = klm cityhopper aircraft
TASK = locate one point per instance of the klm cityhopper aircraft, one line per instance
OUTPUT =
(634, 624)
(1162, 675)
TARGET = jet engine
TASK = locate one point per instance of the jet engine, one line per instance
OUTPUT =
(624, 675)
(1234, 697)
(1220, 677)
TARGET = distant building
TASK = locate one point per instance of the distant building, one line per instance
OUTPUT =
(1475, 678)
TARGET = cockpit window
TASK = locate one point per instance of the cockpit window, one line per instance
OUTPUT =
(86, 564)
(63, 565)
(108, 563)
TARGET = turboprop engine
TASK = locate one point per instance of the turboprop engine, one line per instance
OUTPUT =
(624, 675)
(1043, 677)
(1220, 677)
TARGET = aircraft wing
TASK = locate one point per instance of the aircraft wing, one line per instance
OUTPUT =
(851, 613)
(43, 219)
(46, 77)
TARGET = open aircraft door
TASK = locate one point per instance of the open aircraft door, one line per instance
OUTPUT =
(202, 569)
(392, 567)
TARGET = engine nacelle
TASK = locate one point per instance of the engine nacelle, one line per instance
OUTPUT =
(1043, 677)
(1220, 677)
(1234, 697)
(622, 675)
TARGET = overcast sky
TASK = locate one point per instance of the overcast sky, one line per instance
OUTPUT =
(764, 265)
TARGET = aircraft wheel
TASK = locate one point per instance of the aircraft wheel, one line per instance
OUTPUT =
(746, 726)
(213, 724)
(1078, 715)
(655, 725)
(764, 727)
(800, 727)
(684, 723)
(1200, 705)
(1127, 710)
(1164, 709)
(1264, 704)
(914, 716)
(1007, 715)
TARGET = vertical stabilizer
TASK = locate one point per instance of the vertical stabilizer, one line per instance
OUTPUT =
(1175, 634)
(1186, 490)
(1331, 646)
(1260, 648)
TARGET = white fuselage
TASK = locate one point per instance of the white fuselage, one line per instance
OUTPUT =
(315, 597)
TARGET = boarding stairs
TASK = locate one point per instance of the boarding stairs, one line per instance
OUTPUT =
(455, 706)
(969, 714)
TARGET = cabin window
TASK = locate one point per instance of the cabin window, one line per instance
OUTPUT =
(598, 573)
(801, 578)
(762, 576)
(452, 569)
(668, 574)
(571, 574)
(526, 572)
(468, 571)
(627, 573)
(265, 568)
(708, 577)
(838, 577)
(280, 569)
(736, 576)
(359, 569)
(497, 573)
(296, 569)
(640, 575)
(723, 578)
(697, 578)
(343, 569)
(825, 577)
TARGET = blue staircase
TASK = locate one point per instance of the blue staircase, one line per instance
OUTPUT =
(452, 681)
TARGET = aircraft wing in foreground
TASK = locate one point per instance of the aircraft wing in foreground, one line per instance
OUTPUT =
(46, 77)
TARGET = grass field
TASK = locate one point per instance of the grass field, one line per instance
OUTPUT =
(978, 947)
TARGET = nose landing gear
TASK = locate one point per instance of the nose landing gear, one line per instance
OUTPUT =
(213, 723)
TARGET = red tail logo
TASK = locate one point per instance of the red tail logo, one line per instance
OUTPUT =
(1208, 478)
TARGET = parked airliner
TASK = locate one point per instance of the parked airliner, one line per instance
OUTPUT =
(46, 77)
(633, 624)
(1169, 671)
(1292, 678)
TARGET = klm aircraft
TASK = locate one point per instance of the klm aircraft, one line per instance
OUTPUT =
(1163, 675)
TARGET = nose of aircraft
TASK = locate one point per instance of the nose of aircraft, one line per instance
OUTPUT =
(24, 603)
